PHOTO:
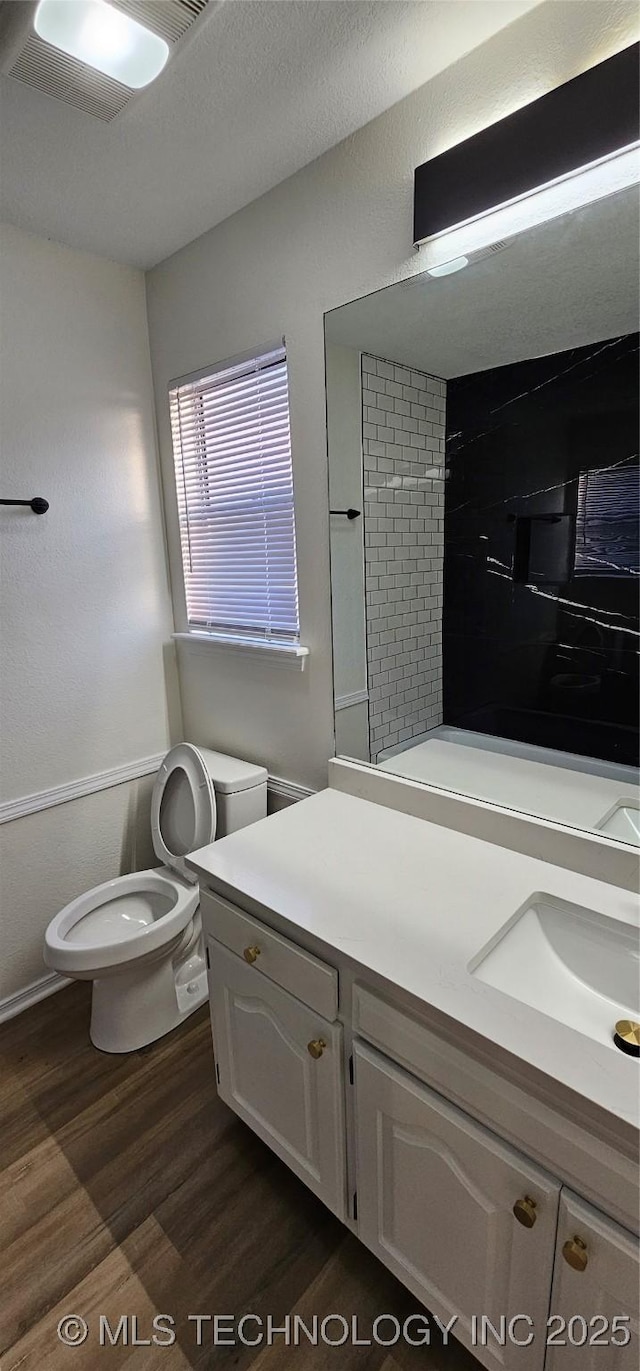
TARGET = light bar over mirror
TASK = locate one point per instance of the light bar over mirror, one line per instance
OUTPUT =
(571, 147)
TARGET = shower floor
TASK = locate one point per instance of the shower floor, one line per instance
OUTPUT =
(569, 789)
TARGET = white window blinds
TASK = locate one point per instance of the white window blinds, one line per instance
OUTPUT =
(607, 522)
(234, 482)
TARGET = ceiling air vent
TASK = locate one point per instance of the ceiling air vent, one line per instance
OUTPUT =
(65, 78)
(490, 250)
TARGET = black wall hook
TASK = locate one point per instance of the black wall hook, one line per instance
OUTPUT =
(348, 513)
(38, 505)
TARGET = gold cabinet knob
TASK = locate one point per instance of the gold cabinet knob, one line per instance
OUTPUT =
(316, 1047)
(525, 1211)
(251, 954)
(575, 1253)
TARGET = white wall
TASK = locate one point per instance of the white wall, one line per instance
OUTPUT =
(344, 442)
(84, 595)
(338, 229)
(344, 437)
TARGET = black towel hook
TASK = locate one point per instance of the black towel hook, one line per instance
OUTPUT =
(348, 513)
(37, 504)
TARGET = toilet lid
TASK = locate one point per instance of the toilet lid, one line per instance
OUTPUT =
(183, 807)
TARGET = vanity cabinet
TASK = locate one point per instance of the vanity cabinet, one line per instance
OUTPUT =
(596, 1278)
(438, 1202)
(279, 1066)
(432, 1146)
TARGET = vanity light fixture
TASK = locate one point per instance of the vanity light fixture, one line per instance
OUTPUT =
(569, 148)
(103, 37)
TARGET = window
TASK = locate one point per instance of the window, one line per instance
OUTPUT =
(607, 522)
(234, 482)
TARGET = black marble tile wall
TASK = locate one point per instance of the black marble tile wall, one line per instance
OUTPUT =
(540, 622)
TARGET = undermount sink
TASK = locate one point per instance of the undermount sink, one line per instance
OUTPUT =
(623, 822)
(578, 967)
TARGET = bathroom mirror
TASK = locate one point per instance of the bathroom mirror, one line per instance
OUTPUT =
(484, 484)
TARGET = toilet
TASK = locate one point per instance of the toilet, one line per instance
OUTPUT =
(139, 937)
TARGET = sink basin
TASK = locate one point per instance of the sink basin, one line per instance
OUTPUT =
(578, 967)
(623, 822)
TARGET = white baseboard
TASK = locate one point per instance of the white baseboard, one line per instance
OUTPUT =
(289, 790)
(32, 994)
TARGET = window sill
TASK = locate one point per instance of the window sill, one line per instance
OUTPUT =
(290, 655)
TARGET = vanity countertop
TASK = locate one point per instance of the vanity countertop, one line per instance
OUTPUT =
(413, 903)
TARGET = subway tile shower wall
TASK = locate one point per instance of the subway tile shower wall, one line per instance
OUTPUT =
(403, 440)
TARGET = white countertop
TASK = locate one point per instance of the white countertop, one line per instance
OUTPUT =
(413, 903)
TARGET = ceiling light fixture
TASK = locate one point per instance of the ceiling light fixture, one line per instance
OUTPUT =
(103, 37)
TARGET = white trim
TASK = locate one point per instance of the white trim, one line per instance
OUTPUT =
(119, 775)
(277, 654)
(31, 994)
(74, 790)
(290, 790)
(280, 345)
(354, 697)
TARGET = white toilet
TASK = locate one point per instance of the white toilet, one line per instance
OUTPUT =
(139, 937)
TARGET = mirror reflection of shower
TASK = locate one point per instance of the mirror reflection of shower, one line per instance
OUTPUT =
(485, 609)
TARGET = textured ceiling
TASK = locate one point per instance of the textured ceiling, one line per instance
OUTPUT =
(258, 89)
(556, 287)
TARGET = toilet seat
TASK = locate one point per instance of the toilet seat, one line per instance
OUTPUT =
(127, 918)
(139, 938)
(130, 917)
(120, 921)
(183, 807)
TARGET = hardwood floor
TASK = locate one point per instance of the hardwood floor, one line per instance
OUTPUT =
(127, 1188)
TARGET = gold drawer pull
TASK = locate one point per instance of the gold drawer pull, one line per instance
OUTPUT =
(251, 954)
(575, 1253)
(525, 1211)
(316, 1047)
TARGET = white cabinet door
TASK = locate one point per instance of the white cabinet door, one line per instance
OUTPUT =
(264, 1040)
(435, 1202)
(596, 1278)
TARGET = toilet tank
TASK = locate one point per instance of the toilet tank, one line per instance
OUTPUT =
(241, 791)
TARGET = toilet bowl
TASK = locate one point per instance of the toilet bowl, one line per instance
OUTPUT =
(139, 937)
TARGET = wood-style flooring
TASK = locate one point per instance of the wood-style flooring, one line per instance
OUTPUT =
(127, 1188)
